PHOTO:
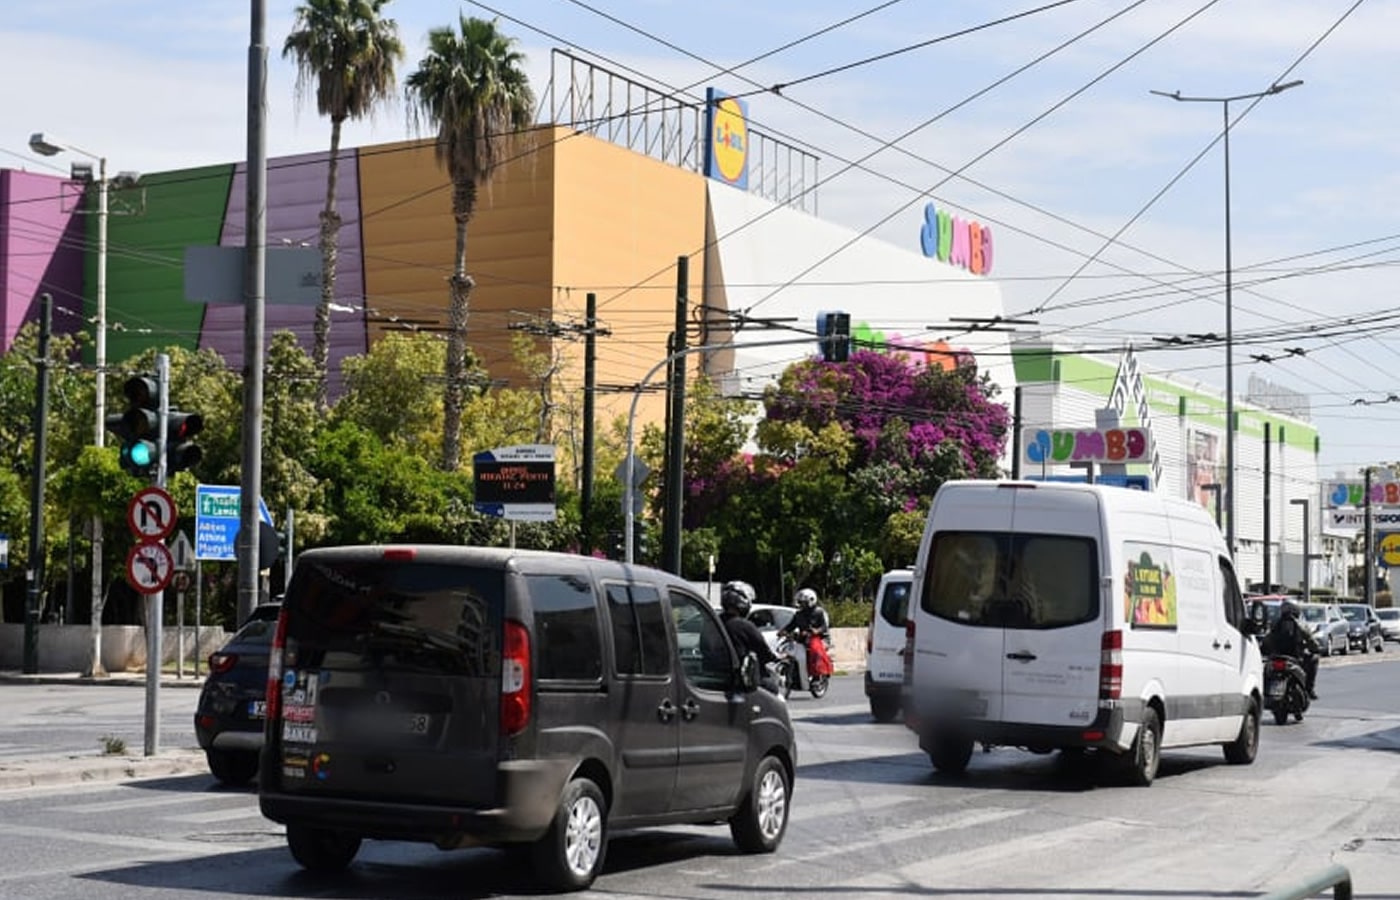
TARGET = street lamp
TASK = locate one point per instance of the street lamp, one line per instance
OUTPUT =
(1307, 550)
(1229, 299)
(48, 145)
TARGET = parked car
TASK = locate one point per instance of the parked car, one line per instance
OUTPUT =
(1364, 631)
(884, 644)
(1390, 622)
(464, 696)
(770, 620)
(1328, 625)
(228, 722)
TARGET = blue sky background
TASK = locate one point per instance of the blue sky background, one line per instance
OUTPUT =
(1062, 156)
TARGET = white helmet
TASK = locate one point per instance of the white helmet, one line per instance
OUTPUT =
(806, 597)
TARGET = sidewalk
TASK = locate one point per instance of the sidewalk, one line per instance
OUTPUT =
(81, 768)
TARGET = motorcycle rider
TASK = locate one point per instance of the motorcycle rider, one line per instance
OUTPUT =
(810, 616)
(1289, 637)
(735, 600)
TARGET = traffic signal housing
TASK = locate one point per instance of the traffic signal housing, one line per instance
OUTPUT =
(834, 335)
(181, 452)
(138, 427)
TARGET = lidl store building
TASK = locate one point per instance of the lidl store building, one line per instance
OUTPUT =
(576, 211)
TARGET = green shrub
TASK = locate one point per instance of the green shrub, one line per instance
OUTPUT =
(849, 613)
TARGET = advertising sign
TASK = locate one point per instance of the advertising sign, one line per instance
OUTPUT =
(1103, 445)
(217, 520)
(1353, 493)
(515, 483)
(726, 139)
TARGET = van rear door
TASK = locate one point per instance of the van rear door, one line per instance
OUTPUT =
(391, 679)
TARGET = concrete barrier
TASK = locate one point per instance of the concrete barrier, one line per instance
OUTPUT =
(68, 648)
(848, 649)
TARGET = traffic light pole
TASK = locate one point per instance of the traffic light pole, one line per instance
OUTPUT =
(630, 458)
(34, 571)
(155, 603)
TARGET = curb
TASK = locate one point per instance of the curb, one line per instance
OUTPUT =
(84, 769)
(122, 679)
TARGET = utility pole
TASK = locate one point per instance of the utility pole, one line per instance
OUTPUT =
(1268, 510)
(1016, 413)
(590, 377)
(34, 573)
(675, 435)
(1369, 543)
(155, 603)
(254, 278)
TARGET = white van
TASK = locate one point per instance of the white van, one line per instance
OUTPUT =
(1058, 616)
(884, 644)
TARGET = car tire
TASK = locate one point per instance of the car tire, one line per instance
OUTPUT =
(1242, 750)
(234, 768)
(570, 855)
(1144, 757)
(950, 753)
(884, 709)
(321, 850)
(761, 821)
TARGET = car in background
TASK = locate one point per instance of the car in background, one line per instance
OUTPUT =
(1328, 625)
(1364, 631)
(228, 721)
(884, 644)
(771, 619)
(1390, 622)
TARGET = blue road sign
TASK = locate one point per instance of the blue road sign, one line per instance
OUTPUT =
(217, 520)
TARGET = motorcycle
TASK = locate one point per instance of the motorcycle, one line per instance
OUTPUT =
(810, 670)
(1285, 688)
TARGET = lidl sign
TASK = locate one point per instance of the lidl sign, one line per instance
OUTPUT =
(726, 139)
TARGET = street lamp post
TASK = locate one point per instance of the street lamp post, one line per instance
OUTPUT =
(1229, 299)
(47, 145)
(1307, 549)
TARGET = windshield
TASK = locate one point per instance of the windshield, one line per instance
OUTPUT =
(1354, 613)
(1313, 614)
(1388, 614)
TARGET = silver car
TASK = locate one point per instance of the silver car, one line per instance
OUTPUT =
(1390, 622)
(1328, 625)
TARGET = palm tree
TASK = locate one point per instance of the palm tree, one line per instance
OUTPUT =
(349, 51)
(471, 88)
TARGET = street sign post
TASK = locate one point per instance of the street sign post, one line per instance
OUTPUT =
(217, 520)
(149, 567)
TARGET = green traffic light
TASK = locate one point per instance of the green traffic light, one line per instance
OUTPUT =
(141, 453)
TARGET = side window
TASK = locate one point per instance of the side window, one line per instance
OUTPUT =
(1230, 595)
(640, 645)
(704, 652)
(566, 628)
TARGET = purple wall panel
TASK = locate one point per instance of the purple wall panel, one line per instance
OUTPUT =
(41, 249)
(296, 191)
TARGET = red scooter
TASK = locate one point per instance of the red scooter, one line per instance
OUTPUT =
(811, 670)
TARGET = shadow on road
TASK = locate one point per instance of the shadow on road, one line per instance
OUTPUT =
(1383, 739)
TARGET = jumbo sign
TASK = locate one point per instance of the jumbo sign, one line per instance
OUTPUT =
(956, 241)
(1353, 493)
(1101, 445)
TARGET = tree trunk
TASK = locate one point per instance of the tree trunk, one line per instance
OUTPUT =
(463, 202)
(330, 231)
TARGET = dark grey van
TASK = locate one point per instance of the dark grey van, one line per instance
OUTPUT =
(469, 696)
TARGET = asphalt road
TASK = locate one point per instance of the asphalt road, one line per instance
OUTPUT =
(870, 819)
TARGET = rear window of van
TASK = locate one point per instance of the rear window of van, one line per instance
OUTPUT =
(894, 602)
(428, 617)
(1006, 580)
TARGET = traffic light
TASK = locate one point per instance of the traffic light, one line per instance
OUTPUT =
(181, 452)
(138, 426)
(834, 335)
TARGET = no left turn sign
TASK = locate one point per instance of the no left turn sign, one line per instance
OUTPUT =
(149, 568)
(151, 514)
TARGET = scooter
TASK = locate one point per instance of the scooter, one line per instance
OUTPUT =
(1285, 688)
(809, 671)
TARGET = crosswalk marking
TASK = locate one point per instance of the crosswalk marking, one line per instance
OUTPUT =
(135, 803)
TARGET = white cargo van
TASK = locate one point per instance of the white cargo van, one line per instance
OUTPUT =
(884, 644)
(1077, 617)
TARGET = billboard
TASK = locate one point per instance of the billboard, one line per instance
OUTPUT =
(515, 483)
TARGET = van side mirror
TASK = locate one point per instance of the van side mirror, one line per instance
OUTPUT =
(748, 673)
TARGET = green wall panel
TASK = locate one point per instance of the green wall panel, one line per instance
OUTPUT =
(146, 244)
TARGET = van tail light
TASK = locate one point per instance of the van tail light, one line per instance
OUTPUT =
(273, 695)
(870, 633)
(908, 651)
(220, 663)
(515, 680)
(1111, 666)
(1279, 665)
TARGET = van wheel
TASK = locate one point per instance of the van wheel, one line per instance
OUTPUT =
(950, 753)
(1145, 755)
(884, 709)
(570, 855)
(1245, 747)
(759, 824)
(321, 850)
(232, 767)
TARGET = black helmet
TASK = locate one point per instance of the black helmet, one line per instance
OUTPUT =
(1289, 610)
(736, 597)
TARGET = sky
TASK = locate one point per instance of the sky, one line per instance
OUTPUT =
(1107, 201)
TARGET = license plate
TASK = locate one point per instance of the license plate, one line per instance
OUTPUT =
(257, 709)
(1276, 689)
(412, 724)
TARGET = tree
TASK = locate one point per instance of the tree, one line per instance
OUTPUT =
(470, 88)
(349, 51)
(385, 395)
